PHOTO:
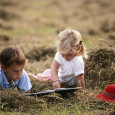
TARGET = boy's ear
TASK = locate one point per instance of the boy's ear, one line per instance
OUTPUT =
(3, 68)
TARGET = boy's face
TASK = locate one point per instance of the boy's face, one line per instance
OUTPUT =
(14, 72)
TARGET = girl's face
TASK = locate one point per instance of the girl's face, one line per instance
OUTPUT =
(14, 72)
(69, 55)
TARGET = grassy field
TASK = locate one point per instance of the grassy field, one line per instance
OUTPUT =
(33, 26)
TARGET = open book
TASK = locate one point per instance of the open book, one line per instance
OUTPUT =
(45, 92)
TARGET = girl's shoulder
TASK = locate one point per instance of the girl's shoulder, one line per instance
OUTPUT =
(58, 55)
(58, 58)
(77, 59)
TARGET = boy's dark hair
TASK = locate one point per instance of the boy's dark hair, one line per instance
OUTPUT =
(11, 55)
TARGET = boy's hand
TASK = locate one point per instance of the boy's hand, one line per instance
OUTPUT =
(56, 84)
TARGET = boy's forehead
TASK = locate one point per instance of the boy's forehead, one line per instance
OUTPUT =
(16, 65)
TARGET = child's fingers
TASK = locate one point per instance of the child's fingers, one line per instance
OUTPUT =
(56, 85)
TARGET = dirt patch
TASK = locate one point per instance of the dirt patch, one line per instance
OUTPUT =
(108, 26)
(5, 27)
(8, 3)
(5, 15)
(93, 32)
(111, 36)
(100, 67)
(4, 38)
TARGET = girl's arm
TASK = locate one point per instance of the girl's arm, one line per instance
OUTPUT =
(54, 74)
(80, 80)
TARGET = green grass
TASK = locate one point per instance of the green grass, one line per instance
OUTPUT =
(75, 109)
(90, 41)
(14, 33)
(44, 30)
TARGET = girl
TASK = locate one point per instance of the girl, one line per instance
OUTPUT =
(67, 69)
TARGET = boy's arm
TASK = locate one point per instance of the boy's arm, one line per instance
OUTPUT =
(54, 73)
(24, 82)
(80, 80)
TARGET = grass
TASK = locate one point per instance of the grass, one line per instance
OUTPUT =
(14, 33)
(90, 41)
(44, 31)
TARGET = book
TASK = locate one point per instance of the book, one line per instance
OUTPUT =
(45, 92)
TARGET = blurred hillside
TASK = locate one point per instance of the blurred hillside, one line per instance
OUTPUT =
(38, 21)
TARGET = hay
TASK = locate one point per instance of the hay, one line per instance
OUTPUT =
(111, 36)
(38, 53)
(100, 67)
(87, 98)
(99, 71)
(6, 15)
(4, 37)
(108, 26)
(38, 86)
(12, 100)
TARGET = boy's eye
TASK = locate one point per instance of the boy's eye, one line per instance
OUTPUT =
(15, 71)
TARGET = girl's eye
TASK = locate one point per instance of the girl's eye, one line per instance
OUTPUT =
(69, 55)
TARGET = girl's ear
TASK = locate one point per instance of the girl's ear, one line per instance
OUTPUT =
(3, 68)
(79, 48)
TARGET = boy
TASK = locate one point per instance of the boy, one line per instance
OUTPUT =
(12, 73)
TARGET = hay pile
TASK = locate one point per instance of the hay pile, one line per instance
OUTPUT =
(40, 53)
(100, 66)
(12, 100)
(38, 86)
(99, 71)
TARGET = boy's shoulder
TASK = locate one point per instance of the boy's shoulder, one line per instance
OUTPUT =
(24, 75)
(0, 73)
(1, 77)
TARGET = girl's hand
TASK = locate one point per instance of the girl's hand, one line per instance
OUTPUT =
(80, 80)
(54, 73)
(56, 84)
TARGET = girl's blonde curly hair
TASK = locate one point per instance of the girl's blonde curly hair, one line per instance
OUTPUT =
(69, 40)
